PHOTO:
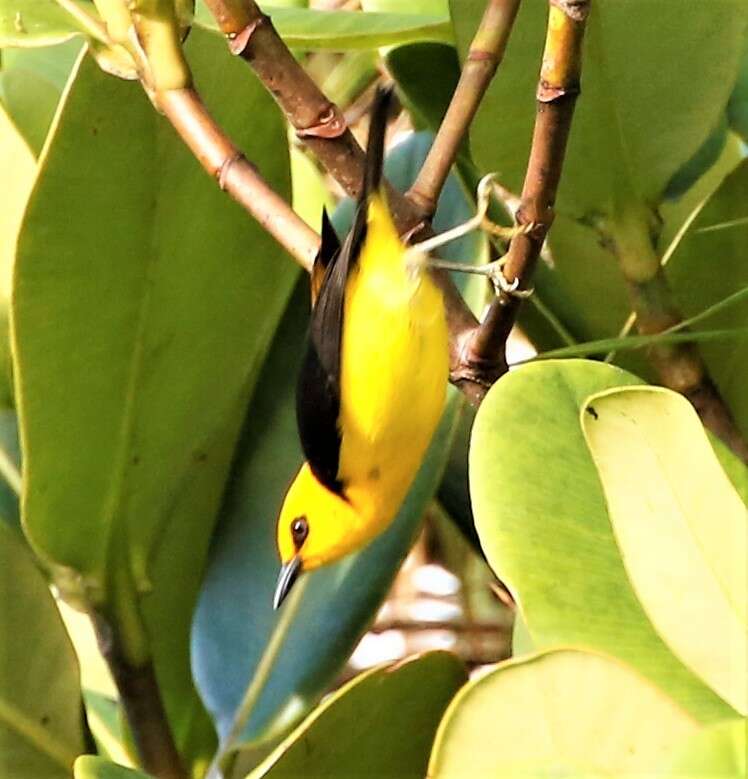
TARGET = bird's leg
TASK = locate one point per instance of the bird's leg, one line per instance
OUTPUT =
(417, 255)
(493, 271)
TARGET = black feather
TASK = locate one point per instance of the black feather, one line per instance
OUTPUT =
(318, 388)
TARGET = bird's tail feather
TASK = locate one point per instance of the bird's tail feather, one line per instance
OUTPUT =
(375, 146)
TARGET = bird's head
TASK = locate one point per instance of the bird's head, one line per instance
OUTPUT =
(315, 527)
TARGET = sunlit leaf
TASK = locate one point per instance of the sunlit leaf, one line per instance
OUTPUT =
(560, 713)
(681, 530)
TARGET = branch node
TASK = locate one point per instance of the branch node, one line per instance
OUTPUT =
(223, 171)
(574, 9)
(480, 55)
(239, 41)
(548, 93)
(330, 124)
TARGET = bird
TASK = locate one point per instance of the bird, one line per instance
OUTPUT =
(372, 384)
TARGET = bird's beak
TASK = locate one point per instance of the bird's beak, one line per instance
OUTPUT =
(289, 572)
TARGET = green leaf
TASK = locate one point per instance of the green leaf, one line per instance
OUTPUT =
(37, 22)
(31, 83)
(426, 74)
(88, 767)
(234, 619)
(41, 726)
(384, 719)
(105, 721)
(706, 266)
(414, 6)
(718, 751)
(681, 531)
(648, 101)
(737, 108)
(541, 517)
(309, 29)
(559, 713)
(10, 469)
(140, 387)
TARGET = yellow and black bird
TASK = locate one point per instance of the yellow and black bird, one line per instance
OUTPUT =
(372, 384)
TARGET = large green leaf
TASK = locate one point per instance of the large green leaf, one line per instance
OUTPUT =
(307, 28)
(234, 618)
(709, 264)
(681, 529)
(560, 713)
(88, 767)
(648, 99)
(381, 724)
(31, 82)
(163, 296)
(541, 517)
(41, 725)
(717, 751)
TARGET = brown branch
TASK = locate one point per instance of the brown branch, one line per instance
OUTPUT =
(679, 366)
(558, 89)
(144, 708)
(236, 175)
(484, 56)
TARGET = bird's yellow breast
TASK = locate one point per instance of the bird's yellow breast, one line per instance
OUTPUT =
(394, 370)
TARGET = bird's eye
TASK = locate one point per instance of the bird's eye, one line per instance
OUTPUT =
(299, 531)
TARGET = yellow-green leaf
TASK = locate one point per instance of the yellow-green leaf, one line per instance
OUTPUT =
(681, 528)
(561, 713)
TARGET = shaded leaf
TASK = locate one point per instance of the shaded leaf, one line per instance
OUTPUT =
(559, 713)
(41, 727)
(541, 517)
(383, 720)
(681, 532)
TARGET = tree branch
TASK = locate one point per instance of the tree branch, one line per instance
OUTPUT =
(678, 365)
(143, 706)
(485, 55)
(558, 89)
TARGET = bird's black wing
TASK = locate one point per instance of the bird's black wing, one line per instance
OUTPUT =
(318, 388)
(328, 251)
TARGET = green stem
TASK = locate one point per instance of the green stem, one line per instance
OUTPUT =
(259, 680)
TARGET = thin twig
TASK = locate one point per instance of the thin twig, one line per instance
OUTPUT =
(558, 89)
(485, 53)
